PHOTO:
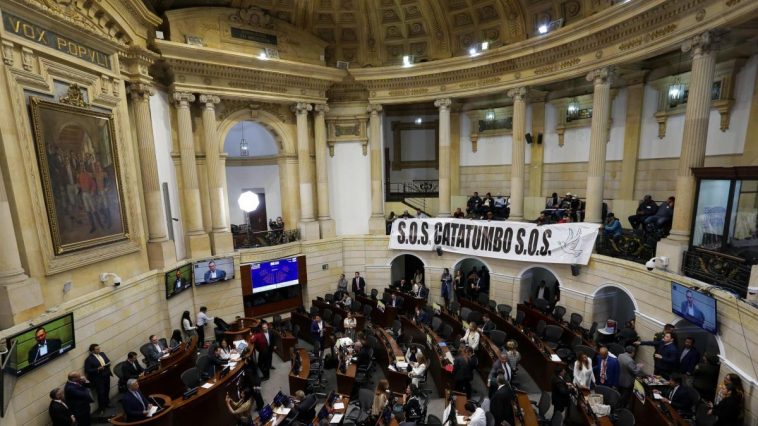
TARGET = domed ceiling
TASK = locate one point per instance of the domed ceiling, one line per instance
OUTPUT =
(381, 32)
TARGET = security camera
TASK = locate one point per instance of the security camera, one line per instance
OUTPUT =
(116, 279)
(657, 262)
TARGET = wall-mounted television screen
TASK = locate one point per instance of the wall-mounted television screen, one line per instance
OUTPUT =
(695, 307)
(214, 270)
(178, 280)
(273, 286)
(274, 275)
(40, 344)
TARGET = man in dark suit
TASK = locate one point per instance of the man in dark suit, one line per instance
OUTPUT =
(43, 348)
(487, 325)
(406, 286)
(561, 390)
(422, 317)
(155, 351)
(364, 355)
(501, 406)
(97, 368)
(681, 396)
(395, 301)
(690, 311)
(542, 291)
(264, 343)
(359, 284)
(179, 282)
(78, 398)
(423, 291)
(606, 368)
(136, 406)
(318, 328)
(59, 412)
(500, 367)
(666, 355)
(215, 363)
(130, 370)
(464, 366)
(628, 371)
(689, 357)
(213, 275)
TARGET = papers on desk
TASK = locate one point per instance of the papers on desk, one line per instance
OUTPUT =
(336, 418)
(231, 365)
(339, 406)
(555, 358)
(399, 358)
(657, 395)
(401, 365)
(282, 411)
(460, 420)
(442, 344)
(392, 367)
(240, 345)
(234, 357)
(152, 410)
(207, 385)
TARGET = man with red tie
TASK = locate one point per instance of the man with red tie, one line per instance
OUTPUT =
(606, 368)
(264, 343)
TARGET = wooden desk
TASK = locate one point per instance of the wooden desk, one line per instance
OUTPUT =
(360, 320)
(398, 380)
(530, 416)
(346, 380)
(535, 357)
(534, 315)
(163, 417)
(650, 413)
(286, 342)
(246, 322)
(487, 354)
(454, 321)
(167, 379)
(304, 322)
(208, 406)
(442, 377)
(300, 381)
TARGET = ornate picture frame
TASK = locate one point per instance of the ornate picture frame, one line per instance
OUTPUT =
(80, 173)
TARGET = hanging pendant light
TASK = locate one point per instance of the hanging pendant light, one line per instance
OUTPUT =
(676, 89)
(243, 143)
(572, 111)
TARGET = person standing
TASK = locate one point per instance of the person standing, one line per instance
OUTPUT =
(350, 324)
(561, 391)
(628, 371)
(459, 285)
(187, 327)
(263, 342)
(342, 284)
(317, 331)
(59, 412)
(502, 407)
(131, 370)
(202, 320)
(689, 357)
(359, 284)
(499, 367)
(78, 398)
(136, 406)
(97, 368)
(446, 282)
(607, 369)
(583, 377)
(666, 355)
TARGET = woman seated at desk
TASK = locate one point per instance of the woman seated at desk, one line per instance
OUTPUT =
(241, 409)
(418, 370)
(176, 339)
(583, 376)
(226, 351)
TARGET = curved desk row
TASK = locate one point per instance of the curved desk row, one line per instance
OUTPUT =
(360, 320)
(391, 352)
(167, 379)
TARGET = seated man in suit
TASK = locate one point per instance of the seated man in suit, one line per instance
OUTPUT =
(681, 396)
(155, 350)
(43, 348)
(213, 275)
(487, 325)
(689, 357)
(136, 405)
(422, 317)
(215, 362)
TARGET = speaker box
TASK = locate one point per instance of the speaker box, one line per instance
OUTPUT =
(539, 138)
(438, 249)
(528, 137)
(575, 270)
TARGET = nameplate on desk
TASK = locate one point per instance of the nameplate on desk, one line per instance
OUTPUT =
(207, 385)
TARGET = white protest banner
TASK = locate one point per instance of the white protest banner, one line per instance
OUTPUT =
(569, 243)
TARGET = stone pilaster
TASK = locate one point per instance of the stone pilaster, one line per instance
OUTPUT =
(221, 236)
(161, 251)
(19, 294)
(694, 138)
(326, 223)
(377, 223)
(625, 203)
(444, 156)
(534, 201)
(601, 112)
(518, 162)
(308, 226)
(198, 243)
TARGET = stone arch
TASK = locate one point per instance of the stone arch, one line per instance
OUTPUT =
(461, 260)
(400, 268)
(620, 287)
(605, 300)
(281, 132)
(524, 291)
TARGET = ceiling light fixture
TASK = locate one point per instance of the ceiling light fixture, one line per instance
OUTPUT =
(243, 143)
(542, 29)
(485, 45)
(407, 60)
(572, 111)
(490, 115)
(472, 52)
(419, 120)
(263, 56)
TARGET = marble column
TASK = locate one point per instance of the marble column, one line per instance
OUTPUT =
(221, 236)
(377, 224)
(18, 292)
(694, 137)
(326, 223)
(601, 112)
(518, 147)
(444, 161)
(161, 251)
(198, 243)
(308, 226)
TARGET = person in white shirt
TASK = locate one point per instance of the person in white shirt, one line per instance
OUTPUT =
(471, 338)
(583, 376)
(226, 351)
(342, 342)
(202, 320)
(478, 417)
(187, 327)
(346, 300)
(418, 370)
(350, 323)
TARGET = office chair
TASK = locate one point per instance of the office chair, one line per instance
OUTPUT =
(542, 407)
(475, 316)
(611, 396)
(163, 342)
(504, 310)
(624, 417)
(314, 311)
(540, 328)
(591, 332)
(397, 329)
(454, 307)
(520, 315)
(374, 293)
(118, 370)
(360, 410)
(356, 306)
(576, 321)
(143, 351)
(329, 297)
(465, 312)
(557, 419)
(432, 420)
(191, 378)
(483, 299)
(368, 311)
(338, 323)
(498, 337)
(492, 305)
(579, 349)
(327, 315)
(436, 324)
(559, 312)
(553, 334)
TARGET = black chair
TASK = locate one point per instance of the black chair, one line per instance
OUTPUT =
(579, 349)
(557, 419)
(616, 349)
(559, 312)
(143, 351)
(475, 316)
(543, 406)
(504, 310)
(118, 370)
(202, 364)
(356, 306)
(368, 310)
(329, 297)
(163, 342)
(520, 315)
(592, 331)
(191, 378)
(465, 312)
(624, 417)
(566, 355)
(338, 324)
(553, 334)
(576, 321)
(610, 396)
(483, 299)
(327, 315)
(397, 328)
(374, 293)
(498, 337)
(540, 328)
(436, 324)
(490, 419)
(432, 420)
(314, 311)
(454, 307)
(492, 304)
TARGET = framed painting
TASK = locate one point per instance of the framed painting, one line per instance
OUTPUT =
(79, 168)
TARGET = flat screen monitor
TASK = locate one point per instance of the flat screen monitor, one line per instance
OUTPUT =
(322, 413)
(266, 414)
(695, 307)
(178, 280)
(213, 270)
(7, 380)
(274, 275)
(38, 345)
(280, 399)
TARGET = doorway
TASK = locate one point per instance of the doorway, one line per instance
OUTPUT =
(530, 283)
(612, 303)
(405, 267)
(473, 269)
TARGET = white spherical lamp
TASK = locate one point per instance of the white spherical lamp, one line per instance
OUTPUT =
(248, 201)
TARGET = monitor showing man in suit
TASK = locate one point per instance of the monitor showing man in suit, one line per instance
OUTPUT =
(44, 347)
(696, 307)
(213, 270)
(41, 343)
(178, 280)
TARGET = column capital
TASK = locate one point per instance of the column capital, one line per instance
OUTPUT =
(302, 108)
(517, 93)
(600, 75)
(374, 108)
(140, 91)
(700, 44)
(210, 101)
(321, 108)
(443, 103)
(183, 99)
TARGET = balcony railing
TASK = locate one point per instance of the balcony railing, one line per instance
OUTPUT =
(420, 188)
(729, 272)
(630, 246)
(256, 239)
